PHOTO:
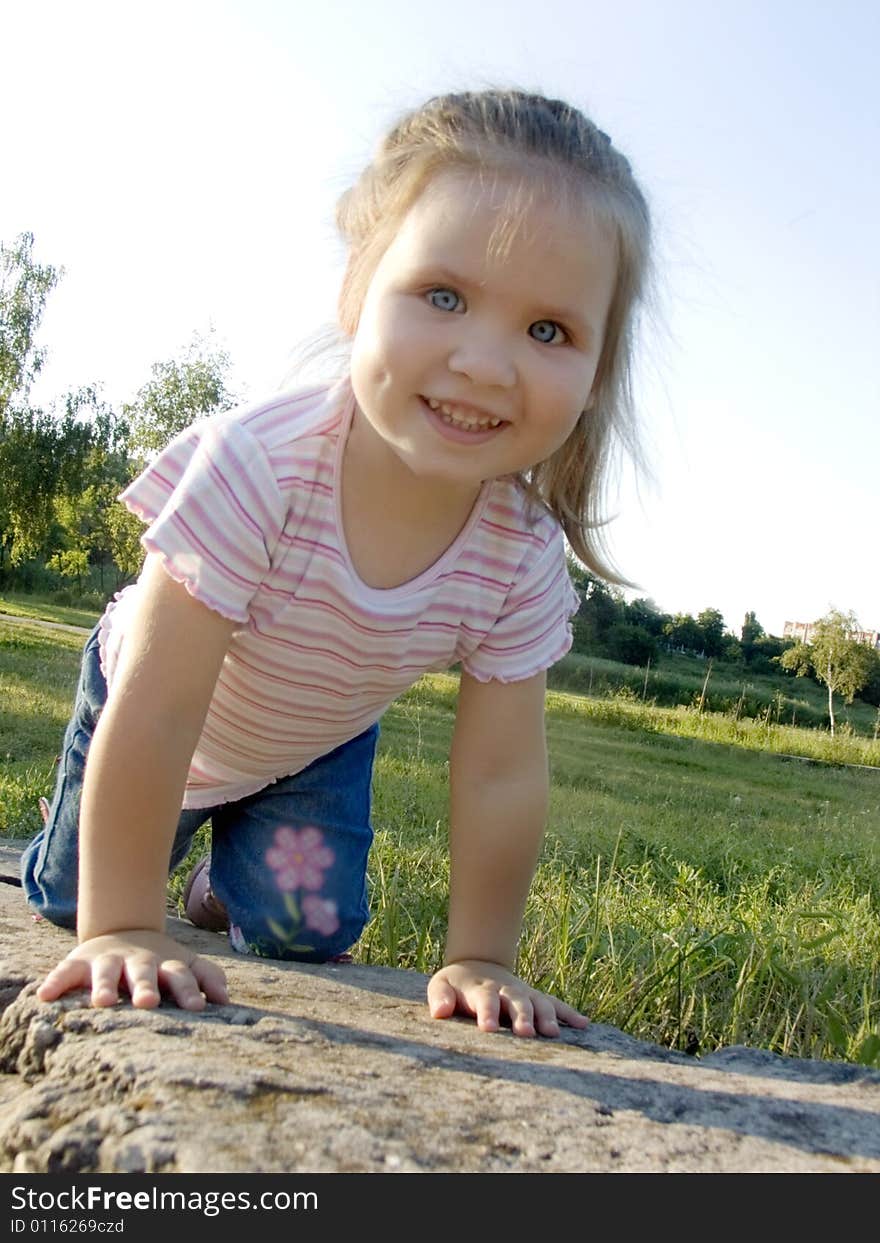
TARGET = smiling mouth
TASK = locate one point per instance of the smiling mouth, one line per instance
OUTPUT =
(458, 416)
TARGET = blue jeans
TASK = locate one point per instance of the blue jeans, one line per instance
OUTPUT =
(289, 862)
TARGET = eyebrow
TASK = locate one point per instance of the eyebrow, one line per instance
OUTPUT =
(565, 315)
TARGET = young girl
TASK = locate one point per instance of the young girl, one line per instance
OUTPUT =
(310, 557)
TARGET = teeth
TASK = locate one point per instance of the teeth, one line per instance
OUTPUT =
(461, 420)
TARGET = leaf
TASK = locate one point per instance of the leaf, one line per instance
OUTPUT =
(868, 1052)
(836, 1032)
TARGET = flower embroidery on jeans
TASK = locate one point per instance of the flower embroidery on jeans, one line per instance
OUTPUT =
(322, 914)
(299, 858)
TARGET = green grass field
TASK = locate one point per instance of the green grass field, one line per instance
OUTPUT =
(43, 610)
(676, 679)
(698, 887)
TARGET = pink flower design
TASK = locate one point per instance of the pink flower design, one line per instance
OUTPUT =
(321, 914)
(299, 858)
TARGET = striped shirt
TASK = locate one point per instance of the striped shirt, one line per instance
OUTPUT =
(244, 508)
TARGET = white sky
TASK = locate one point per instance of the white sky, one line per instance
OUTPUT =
(181, 161)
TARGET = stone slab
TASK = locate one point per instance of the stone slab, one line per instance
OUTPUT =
(340, 1068)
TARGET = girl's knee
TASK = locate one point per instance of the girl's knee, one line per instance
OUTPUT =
(49, 884)
(56, 904)
(293, 891)
(62, 915)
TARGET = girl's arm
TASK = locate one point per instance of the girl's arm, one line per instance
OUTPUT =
(132, 794)
(499, 789)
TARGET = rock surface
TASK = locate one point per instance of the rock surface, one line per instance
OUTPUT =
(340, 1068)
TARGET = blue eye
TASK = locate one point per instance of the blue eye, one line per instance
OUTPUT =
(545, 330)
(444, 299)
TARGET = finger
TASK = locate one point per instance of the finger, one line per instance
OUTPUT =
(141, 977)
(521, 1013)
(107, 970)
(71, 974)
(211, 980)
(487, 1009)
(180, 982)
(546, 1022)
(571, 1017)
(442, 998)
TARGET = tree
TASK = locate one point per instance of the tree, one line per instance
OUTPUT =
(731, 649)
(24, 287)
(870, 692)
(179, 393)
(751, 632)
(645, 613)
(751, 629)
(35, 449)
(86, 517)
(839, 661)
(711, 624)
(601, 609)
(683, 632)
(41, 459)
(633, 645)
(124, 530)
(58, 473)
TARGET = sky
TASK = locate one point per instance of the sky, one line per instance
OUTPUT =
(181, 160)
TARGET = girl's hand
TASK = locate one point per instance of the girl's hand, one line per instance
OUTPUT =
(486, 990)
(144, 963)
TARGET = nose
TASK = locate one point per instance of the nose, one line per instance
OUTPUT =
(485, 359)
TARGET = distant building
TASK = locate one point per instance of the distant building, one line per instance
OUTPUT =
(803, 632)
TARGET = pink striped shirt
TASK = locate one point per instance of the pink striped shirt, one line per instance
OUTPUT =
(244, 509)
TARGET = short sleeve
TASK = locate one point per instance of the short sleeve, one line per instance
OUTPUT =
(533, 630)
(214, 512)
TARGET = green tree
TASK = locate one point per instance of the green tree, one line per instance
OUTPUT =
(87, 517)
(124, 530)
(711, 624)
(839, 661)
(41, 458)
(731, 649)
(682, 631)
(601, 609)
(179, 393)
(633, 645)
(24, 288)
(72, 563)
(870, 692)
(40, 454)
(645, 614)
(751, 632)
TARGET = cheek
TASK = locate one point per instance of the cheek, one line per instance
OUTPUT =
(385, 337)
(566, 389)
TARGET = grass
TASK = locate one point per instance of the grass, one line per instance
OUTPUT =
(676, 679)
(38, 672)
(697, 887)
(40, 609)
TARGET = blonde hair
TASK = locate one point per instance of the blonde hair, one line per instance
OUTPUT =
(542, 141)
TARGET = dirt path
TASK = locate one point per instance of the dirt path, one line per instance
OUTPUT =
(37, 621)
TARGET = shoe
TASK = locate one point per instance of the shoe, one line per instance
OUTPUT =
(44, 810)
(202, 907)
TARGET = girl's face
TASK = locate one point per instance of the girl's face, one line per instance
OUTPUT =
(470, 365)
